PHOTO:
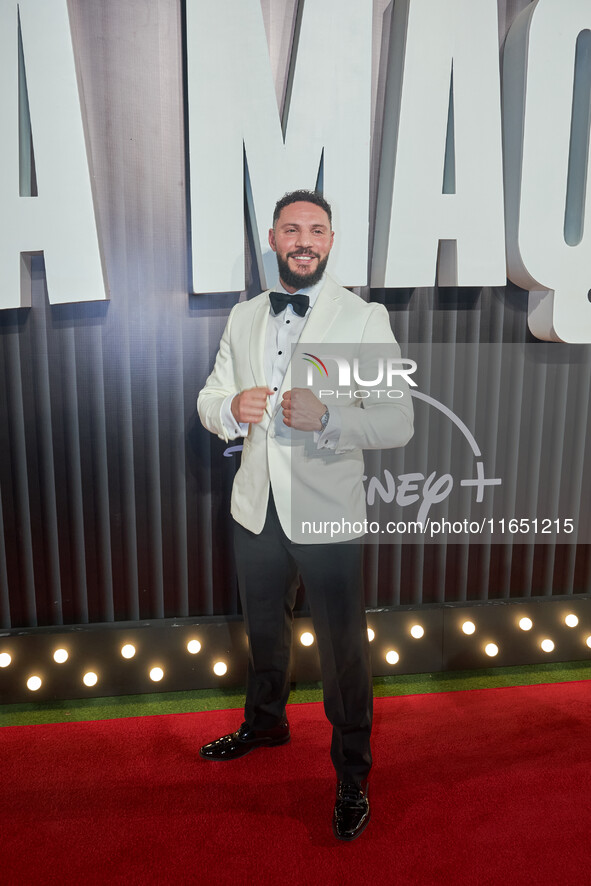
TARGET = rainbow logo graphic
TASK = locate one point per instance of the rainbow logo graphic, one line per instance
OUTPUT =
(317, 362)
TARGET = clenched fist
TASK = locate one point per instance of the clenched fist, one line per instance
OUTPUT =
(249, 406)
(302, 410)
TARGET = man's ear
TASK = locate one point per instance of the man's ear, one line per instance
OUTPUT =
(272, 240)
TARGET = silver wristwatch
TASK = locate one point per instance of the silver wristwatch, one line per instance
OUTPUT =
(324, 419)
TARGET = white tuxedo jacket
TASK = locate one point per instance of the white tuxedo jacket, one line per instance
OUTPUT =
(309, 484)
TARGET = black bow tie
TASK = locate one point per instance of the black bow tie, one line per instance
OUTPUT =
(280, 300)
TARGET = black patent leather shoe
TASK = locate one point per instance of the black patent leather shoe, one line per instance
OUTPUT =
(351, 811)
(245, 740)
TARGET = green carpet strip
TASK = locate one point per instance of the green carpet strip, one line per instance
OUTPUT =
(197, 700)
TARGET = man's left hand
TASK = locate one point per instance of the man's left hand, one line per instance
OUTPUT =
(302, 410)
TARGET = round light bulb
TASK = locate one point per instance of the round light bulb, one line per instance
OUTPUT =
(156, 674)
(34, 683)
(193, 646)
(491, 649)
(307, 639)
(526, 624)
(5, 659)
(588, 641)
(417, 631)
(371, 635)
(547, 645)
(220, 668)
(60, 656)
(90, 679)
(392, 657)
(468, 627)
(571, 620)
(128, 651)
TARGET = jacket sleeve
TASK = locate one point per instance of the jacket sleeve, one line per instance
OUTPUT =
(219, 385)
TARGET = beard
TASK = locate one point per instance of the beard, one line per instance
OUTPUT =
(299, 281)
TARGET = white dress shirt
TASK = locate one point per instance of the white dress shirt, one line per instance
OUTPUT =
(283, 331)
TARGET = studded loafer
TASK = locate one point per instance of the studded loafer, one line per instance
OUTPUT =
(245, 740)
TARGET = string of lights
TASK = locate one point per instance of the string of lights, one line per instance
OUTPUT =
(101, 660)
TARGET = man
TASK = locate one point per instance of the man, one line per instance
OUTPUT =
(293, 443)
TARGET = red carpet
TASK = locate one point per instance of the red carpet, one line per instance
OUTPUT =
(484, 787)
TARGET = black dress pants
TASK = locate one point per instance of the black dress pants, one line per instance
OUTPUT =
(268, 565)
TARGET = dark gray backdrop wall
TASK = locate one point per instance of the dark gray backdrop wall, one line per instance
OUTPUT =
(114, 501)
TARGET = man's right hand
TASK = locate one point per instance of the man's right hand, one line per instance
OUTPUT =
(249, 406)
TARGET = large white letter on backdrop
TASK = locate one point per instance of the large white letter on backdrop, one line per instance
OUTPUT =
(60, 221)
(435, 43)
(233, 108)
(548, 196)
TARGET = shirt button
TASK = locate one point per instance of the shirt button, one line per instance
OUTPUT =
(288, 321)
(274, 389)
(279, 352)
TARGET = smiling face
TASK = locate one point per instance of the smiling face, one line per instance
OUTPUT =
(302, 239)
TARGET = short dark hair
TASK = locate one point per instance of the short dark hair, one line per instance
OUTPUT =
(302, 196)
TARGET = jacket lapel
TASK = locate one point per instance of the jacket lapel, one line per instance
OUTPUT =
(323, 314)
(257, 342)
(258, 336)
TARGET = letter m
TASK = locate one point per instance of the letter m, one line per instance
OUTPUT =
(323, 136)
